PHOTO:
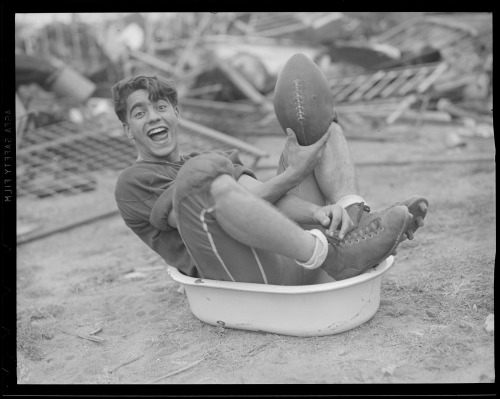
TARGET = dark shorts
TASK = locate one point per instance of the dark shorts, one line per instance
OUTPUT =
(217, 255)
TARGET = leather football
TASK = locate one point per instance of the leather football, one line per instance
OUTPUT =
(303, 100)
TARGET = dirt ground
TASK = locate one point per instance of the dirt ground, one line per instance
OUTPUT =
(100, 280)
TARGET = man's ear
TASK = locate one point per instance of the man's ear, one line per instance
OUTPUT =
(127, 131)
(177, 113)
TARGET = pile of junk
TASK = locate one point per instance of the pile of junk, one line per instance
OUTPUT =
(383, 68)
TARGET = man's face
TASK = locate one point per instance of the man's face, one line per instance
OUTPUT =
(153, 126)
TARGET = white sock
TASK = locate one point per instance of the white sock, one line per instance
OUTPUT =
(350, 199)
(320, 251)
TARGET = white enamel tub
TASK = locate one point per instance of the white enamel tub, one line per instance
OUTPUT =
(323, 308)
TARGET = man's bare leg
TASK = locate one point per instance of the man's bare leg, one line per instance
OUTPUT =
(335, 173)
(256, 223)
(336, 178)
(335, 181)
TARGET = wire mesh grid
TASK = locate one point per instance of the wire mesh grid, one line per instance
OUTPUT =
(62, 158)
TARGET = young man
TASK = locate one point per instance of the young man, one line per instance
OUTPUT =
(207, 214)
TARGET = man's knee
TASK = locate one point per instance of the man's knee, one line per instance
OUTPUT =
(223, 186)
(198, 173)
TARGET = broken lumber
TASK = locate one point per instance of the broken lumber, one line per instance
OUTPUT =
(405, 104)
(461, 160)
(153, 61)
(432, 78)
(193, 41)
(446, 105)
(453, 82)
(197, 91)
(396, 30)
(241, 83)
(218, 105)
(239, 144)
(453, 24)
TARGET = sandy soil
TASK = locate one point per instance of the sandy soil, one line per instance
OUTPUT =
(100, 280)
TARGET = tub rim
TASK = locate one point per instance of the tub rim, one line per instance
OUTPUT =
(377, 271)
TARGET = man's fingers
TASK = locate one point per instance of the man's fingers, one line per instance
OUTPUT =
(336, 219)
(322, 141)
(346, 224)
(291, 134)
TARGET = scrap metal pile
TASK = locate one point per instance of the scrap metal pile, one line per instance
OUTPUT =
(382, 68)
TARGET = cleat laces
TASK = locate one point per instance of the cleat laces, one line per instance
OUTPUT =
(363, 233)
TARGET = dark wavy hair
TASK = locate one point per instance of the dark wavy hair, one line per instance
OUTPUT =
(157, 87)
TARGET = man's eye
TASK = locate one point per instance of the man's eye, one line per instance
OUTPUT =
(139, 114)
(162, 107)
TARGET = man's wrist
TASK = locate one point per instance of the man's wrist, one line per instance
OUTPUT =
(293, 176)
(313, 209)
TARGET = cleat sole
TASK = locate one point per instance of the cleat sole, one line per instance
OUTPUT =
(418, 207)
(422, 206)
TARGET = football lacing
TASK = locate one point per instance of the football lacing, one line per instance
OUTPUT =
(299, 103)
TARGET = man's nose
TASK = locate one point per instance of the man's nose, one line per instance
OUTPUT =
(153, 115)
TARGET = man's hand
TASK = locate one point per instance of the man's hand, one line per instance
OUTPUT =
(303, 159)
(171, 220)
(331, 216)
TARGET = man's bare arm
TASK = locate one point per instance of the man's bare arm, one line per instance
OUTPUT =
(302, 211)
(275, 191)
(301, 159)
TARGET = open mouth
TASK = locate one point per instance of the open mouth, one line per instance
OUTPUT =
(158, 134)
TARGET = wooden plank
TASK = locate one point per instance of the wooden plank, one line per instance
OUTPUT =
(405, 104)
(438, 161)
(453, 24)
(394, 85)
(449, 39)
(340, 80)
(436, 34)
(218, 105)
(153, 61)
(216, 135)
(453, 83)
(447, 106)
(413, 41)
(413, 81)
(344, 92)
(396, 30)
(379, 86)
(197, 91)
(38, 234)
(423, 107)
(241, 83)
(193, 41)
(169, 45)
(275, 24)
(266, 20)
(388, 103)
(60, 44)
(366, 86)
(426, 83)
(429, 116)
(282, 30)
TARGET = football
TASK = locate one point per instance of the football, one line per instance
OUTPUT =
(303, 100)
